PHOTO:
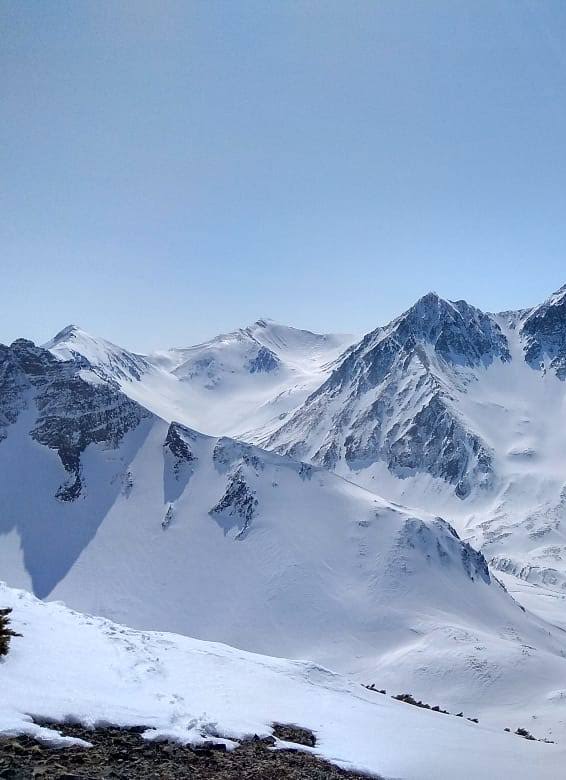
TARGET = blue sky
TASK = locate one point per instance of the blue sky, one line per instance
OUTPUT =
(170, 170)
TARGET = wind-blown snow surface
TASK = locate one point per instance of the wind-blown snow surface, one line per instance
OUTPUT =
(231, 385)
(69, 665)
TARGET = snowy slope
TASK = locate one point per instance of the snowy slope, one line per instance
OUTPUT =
(119, 513)
(236, 382)
(112, 361)
(69, 665)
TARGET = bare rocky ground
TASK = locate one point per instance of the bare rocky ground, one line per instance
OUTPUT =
(121, 754)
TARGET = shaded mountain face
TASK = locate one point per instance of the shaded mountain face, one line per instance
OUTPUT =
(68, 411)
(389, 399)
(543, 334)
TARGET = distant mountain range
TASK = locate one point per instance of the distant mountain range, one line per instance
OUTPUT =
(447, 408)
(251, 378)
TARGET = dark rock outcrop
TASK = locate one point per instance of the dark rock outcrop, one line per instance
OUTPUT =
(70, 412)
(543, 333)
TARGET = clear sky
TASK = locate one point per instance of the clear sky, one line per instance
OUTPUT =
(170, 170)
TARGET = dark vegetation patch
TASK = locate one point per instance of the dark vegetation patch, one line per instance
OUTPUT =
(408, 698)
(121, 754)
(521, 732)
(6, 633)
(288, 732)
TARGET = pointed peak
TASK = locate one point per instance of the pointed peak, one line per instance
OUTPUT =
(264, 322)
(430, 304)
(429, 297)
(69, 330)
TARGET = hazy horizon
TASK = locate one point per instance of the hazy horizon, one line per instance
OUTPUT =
(179, 169)
(213, 333)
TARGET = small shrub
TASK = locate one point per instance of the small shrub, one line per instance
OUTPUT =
(374, 689)
(6, 632)
(409, 699)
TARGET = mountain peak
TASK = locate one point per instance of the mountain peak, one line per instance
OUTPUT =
(264, 322)
(117, 363)
(23, 344)
(433, 308)
(67, 333)
(544, 334)
(429, 297)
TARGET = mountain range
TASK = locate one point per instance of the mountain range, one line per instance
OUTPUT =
(447, 408)
(308, 496)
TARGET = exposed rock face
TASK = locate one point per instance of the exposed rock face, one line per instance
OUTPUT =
(229, 452)
(390, 400)
(433, 440)
(543, 332)
(179, 463)
(455, 333)
(177, 442)
(459, 333)
(237, 506)
(538, 575)
(13, 385)
(441, 542)
(265, 361)
(71, 412)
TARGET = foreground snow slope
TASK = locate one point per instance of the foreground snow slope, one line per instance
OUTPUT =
(232, 384)
(69, 665)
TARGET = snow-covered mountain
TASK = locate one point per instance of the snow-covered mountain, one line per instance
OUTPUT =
(73, 343)
(457, 412)
(124, 514)
(182, 689)
(543, 334)
(234, 383)
(390, 399)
